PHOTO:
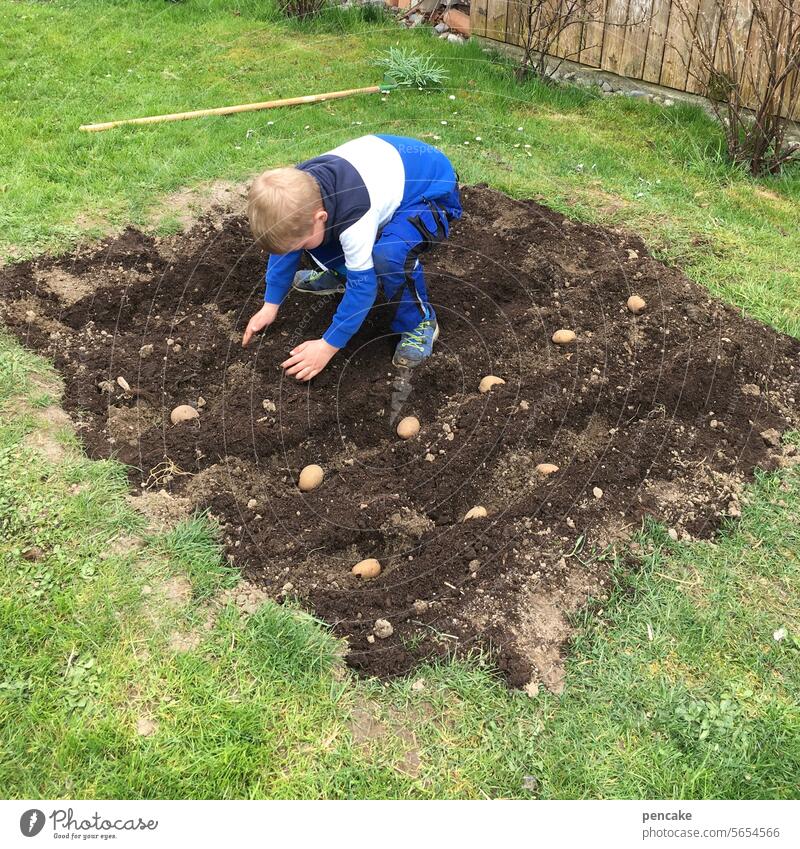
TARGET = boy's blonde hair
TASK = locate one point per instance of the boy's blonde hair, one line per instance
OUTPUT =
(280, 206)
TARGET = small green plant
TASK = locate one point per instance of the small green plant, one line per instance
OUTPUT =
(404, 67)
(714, 722)
(82, 681)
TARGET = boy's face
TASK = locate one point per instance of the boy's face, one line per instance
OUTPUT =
(317, 235)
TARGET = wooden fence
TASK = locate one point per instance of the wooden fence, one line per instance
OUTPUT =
(639, 39)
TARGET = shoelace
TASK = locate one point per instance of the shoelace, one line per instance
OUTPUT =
(321, 272)
(416, 338)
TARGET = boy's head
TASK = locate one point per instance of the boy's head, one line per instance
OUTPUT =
(286, 211)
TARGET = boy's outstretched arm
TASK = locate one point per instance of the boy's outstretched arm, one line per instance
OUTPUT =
(309, 358)
(359, 296)
(281, 269)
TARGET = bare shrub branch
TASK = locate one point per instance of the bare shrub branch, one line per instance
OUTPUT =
(749, 68)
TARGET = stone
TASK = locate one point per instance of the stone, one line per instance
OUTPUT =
(597, 492)
(772, 437)
(382, 629)
(457, 21)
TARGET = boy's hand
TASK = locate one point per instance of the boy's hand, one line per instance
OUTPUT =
(309, 358)
(263, 318)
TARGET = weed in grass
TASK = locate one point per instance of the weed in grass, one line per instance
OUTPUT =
(193, 546)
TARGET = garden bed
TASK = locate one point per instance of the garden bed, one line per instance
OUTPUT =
(661, 414)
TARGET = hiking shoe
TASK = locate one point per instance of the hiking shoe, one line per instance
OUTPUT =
(416, 345)
(319, 282)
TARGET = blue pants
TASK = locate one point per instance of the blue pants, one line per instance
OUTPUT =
(410, 232)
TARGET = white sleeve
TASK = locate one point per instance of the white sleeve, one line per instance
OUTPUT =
(358, 240)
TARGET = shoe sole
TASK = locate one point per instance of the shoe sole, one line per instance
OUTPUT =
(395, 362)
(337, 291)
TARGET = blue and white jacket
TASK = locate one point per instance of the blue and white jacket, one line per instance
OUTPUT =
(363, 183)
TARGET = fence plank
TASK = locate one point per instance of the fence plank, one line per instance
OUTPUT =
(733, 38)
(614, 40)
(547, 32)
(569, 40)
(592, 36)
(708, 24)
(634, 48)
(478, 10)
(496, 12)
(753, 66)
(660, 14)
(515, 21)
(675, 65)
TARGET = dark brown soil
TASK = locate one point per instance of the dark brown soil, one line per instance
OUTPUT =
(663, 412)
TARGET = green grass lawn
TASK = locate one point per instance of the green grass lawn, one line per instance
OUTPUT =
(676, 686)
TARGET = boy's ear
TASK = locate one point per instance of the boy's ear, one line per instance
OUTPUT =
(321, 215)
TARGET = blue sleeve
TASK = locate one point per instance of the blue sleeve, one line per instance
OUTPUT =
(359, 296)
(281, 269)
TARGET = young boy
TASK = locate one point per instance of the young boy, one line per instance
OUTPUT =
(364, 212)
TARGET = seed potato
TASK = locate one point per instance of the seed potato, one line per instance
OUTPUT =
(310, 477)
(475, 513)
(408, 427)
(183, 413)
(636, 304)
(366, 569)
(564, 337)
(490, 381)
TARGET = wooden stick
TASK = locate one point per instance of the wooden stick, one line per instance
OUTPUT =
(230, 110)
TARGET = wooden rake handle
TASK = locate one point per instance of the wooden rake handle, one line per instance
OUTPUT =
(231, 110)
